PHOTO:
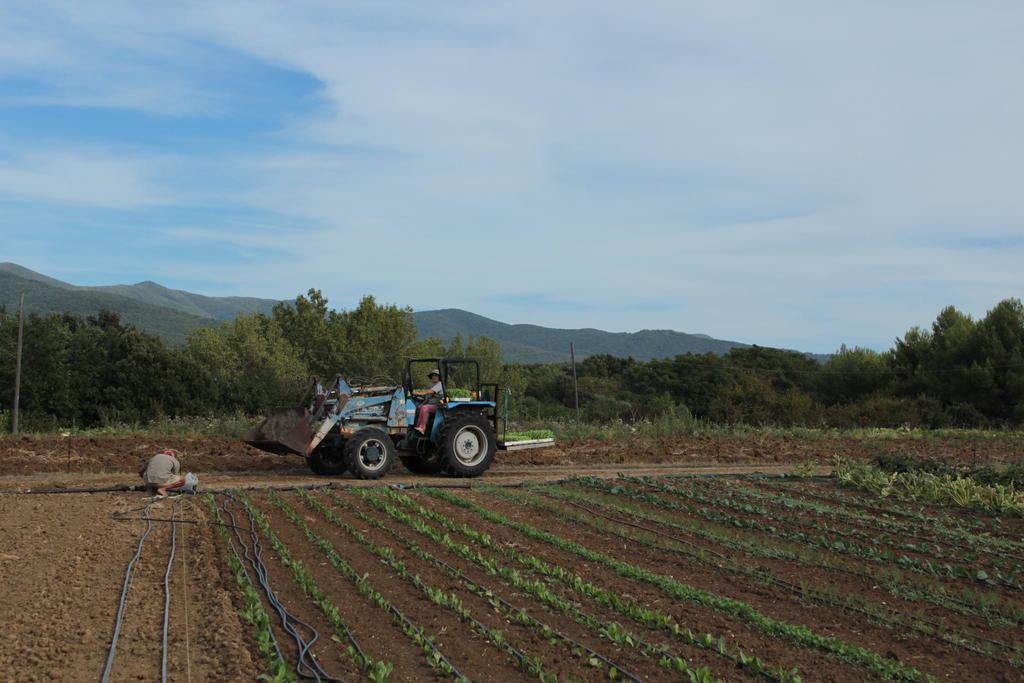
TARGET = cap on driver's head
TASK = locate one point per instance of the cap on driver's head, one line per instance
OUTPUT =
(434, 372)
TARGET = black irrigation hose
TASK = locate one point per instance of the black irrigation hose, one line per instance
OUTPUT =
(167, 590)
(782, 583)
(316, 635)
(242, 563)
(306, 665)
(390, 607)
(124, 597)
(474, 622)
(455, 572)
(92, 490)
(732, 658)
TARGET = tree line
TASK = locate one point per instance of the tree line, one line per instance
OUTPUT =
(87, 371)
(960, 373)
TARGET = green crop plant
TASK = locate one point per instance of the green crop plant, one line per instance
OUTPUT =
(376, 670)
(254, 612)
(438, 596)
(794, 633)
(538, 589)
(734, 501)
(849, 602)
(530, 435)
(942, 489)
(964, 542)
(434, 658)
(650, 618)
(867, 552)
(900, 521)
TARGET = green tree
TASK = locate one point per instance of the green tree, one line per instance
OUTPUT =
(247, 364)
(852, 374)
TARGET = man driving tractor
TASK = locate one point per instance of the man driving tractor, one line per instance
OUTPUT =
(432, 398)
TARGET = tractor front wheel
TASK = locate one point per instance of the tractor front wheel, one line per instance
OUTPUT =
(467, 444)
(369, 454)
(327, 460)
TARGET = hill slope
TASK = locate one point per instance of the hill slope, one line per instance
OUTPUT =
(153, 294)
(168, 313)
(536, 344)
(42, 298)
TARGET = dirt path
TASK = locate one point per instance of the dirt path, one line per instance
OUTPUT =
(500, 474)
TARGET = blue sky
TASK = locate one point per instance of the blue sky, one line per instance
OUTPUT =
(794, 174)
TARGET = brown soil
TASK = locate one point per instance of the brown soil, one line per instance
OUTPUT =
(76, 454)
(63, 560)
(62, 569)
(931, 656)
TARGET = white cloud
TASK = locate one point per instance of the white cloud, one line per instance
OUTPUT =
(758, 167)
(83, 176)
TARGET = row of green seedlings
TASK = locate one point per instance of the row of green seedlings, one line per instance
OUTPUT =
(918, 585)
(978, 602)
(884, 527)
(448, 600)
(1000, 576)
(887, 517)
(873, 505)
(912, 587)
(925, 487)
(754, 502)
(793, 633)
(665, 542)
(516, 614)
(707, 503)
(254, 612)
(376, 670)
(434, 657)
(540, 589)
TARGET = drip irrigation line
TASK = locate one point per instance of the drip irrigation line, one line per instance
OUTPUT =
(119, 620)
(306, 665)
(575, 607)
(782, 583)
(110, 489)
(242, 563)
(454, 571)
(348, 631)
(428, 642)
(184, 588)
(167, 591)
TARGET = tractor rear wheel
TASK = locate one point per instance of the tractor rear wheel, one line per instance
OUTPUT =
(467, 444)
(327, 460)
(369, 454)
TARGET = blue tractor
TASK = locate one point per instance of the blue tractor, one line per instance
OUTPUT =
(363, 429)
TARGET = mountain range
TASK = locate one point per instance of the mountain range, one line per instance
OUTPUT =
(168, 313)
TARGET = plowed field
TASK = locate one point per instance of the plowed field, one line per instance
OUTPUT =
(654, 575)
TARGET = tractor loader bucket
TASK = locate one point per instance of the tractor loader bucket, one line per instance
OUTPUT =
(286, 430)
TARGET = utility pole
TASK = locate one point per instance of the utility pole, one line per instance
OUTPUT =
(17, 366)
(575, 384)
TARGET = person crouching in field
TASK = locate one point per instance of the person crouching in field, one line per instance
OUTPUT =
(162, 472)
